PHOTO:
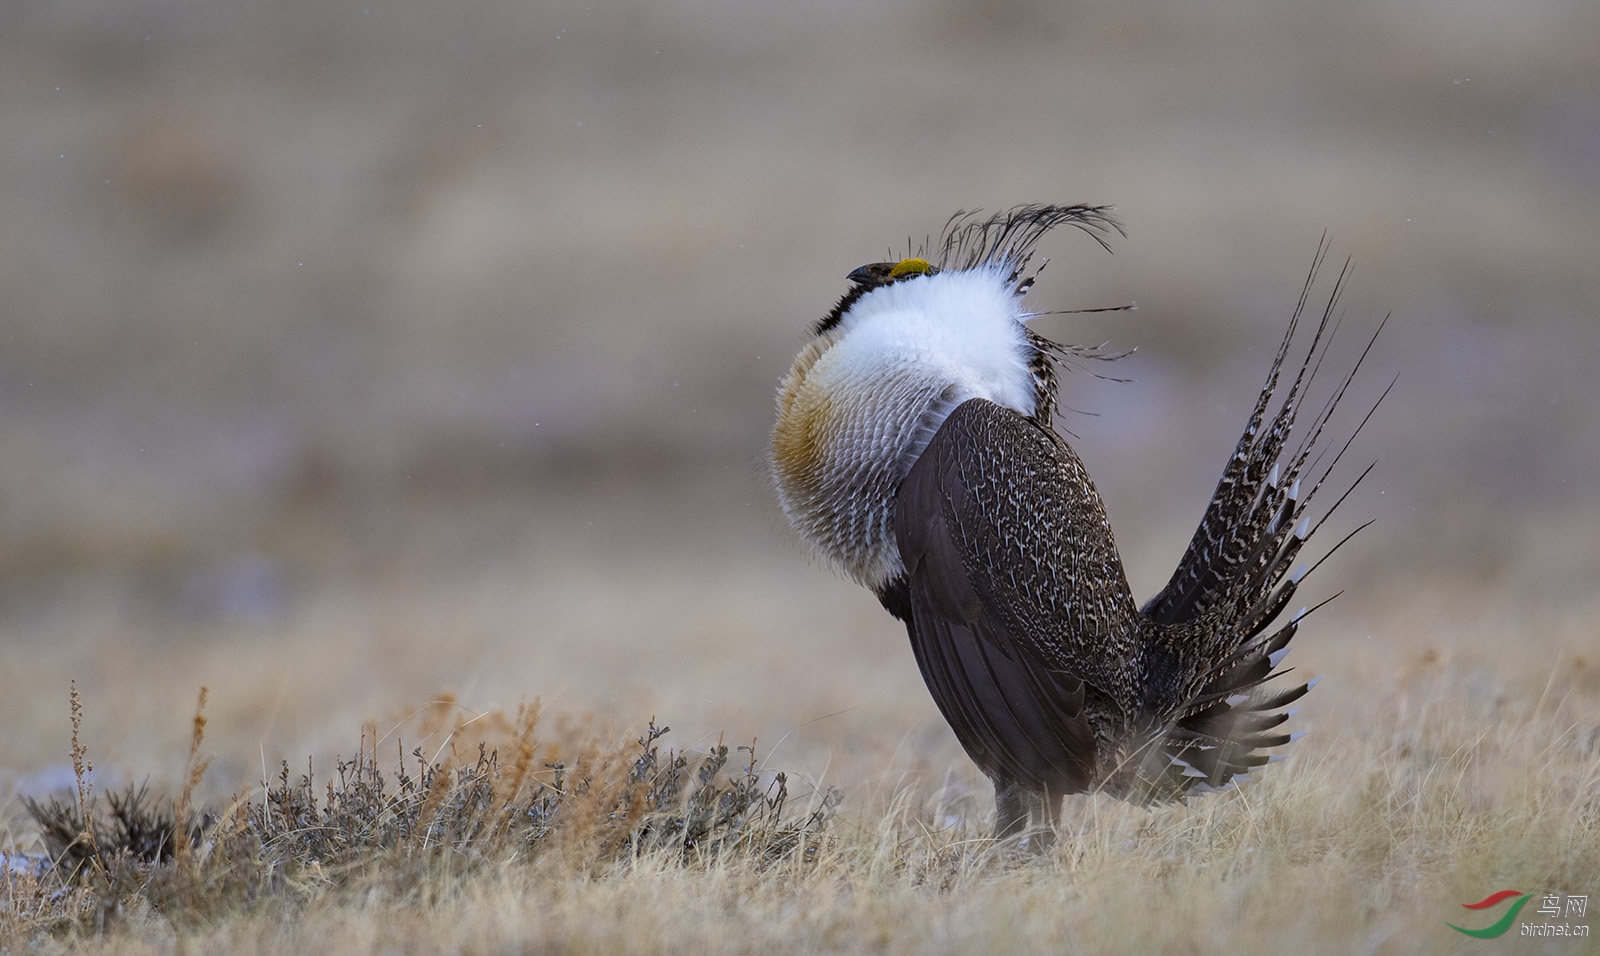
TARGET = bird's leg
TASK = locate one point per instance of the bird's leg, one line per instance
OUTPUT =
(1010, 808)
(1014, 805)
(1046, 809)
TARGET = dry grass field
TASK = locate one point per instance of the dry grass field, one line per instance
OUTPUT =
(401, 374)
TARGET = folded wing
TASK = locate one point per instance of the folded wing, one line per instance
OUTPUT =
(1016, 602)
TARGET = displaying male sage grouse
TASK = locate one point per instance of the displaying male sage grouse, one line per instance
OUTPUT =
(915, 447)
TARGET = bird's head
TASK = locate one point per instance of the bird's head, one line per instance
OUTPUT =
(875, 274)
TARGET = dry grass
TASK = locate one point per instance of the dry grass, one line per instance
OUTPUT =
(1441, 785)
(409, 833)
(1453, 749)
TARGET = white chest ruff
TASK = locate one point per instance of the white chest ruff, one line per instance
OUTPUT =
(863, 400)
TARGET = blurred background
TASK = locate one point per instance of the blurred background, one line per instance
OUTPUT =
(355, 353)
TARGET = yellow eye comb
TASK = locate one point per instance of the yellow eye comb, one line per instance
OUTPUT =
(907, 267)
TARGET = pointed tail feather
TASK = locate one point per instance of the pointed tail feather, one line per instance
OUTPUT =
(1235, 569)
(1217, 648)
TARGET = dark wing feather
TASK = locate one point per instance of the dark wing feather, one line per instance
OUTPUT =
(1019, 613)
(1017, 721)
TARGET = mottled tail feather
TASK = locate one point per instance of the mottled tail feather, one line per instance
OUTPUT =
(1235, 579)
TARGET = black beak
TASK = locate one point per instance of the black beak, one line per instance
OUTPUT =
(871, 274)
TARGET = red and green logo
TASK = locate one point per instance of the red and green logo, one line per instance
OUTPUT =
(1503, 923)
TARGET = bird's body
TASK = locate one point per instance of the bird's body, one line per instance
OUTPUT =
(915, 447)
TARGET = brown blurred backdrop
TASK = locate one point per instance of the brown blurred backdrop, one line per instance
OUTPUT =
(355, 352)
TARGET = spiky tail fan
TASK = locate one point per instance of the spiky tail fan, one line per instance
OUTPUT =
(1216, 615)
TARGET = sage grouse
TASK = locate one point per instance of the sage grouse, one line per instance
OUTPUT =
(915, 447)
